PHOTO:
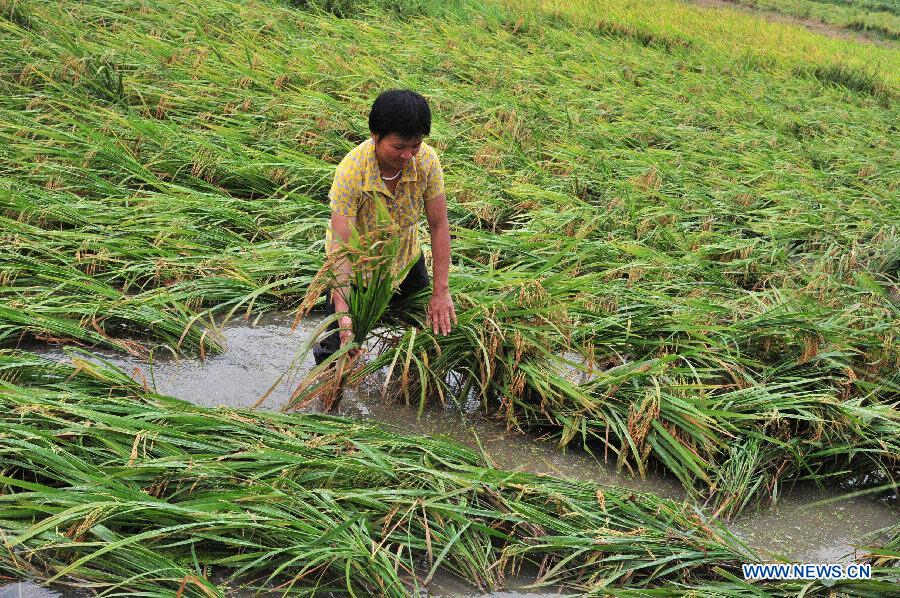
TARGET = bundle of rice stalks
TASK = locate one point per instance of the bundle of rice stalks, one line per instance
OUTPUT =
(364, 270)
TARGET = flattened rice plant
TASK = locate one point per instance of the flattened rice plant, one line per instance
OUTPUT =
(108, 486)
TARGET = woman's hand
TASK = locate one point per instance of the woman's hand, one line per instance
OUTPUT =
(345, 324)
(345, 327)
(441, 314)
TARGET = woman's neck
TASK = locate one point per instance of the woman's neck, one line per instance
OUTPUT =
(388, 173)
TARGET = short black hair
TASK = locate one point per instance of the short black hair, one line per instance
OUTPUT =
(400, 111)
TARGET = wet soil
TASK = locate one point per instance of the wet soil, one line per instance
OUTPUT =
(267, 354)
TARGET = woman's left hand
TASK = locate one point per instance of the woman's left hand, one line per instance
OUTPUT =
(441, 315)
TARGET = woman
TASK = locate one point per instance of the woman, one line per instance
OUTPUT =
(395, 166)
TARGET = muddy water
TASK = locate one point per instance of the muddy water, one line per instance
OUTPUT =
(26, 590)
(267, 355)
(440, 587)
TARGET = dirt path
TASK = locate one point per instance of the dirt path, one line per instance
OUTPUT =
(811, 24)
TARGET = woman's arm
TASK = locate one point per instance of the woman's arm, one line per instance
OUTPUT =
(441, 313)
(340, 232)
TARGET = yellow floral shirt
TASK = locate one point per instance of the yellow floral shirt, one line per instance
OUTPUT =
(357, 182)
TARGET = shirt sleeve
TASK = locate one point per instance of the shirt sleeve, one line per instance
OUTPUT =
(435, 176)
(345, 189)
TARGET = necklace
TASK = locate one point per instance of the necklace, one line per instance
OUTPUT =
(391, 178)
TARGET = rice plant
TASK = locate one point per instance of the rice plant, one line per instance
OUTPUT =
(370, 258)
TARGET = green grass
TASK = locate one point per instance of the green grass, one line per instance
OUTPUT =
(700, 205)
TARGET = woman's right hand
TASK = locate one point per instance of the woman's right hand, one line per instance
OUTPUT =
(345, 324)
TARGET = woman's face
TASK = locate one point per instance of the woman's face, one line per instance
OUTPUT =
(394, 152)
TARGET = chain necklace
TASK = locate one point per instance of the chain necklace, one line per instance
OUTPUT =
(391, 178)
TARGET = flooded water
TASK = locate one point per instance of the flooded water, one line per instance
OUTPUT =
(26, 590)
(267, 355)
(441, 587)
